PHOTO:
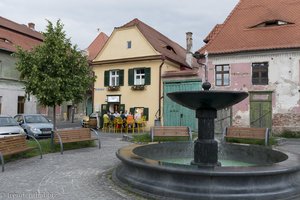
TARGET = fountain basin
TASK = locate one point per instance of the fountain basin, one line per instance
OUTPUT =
(275, 174)
(207, 99)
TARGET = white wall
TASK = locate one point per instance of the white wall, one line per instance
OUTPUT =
(9, 91)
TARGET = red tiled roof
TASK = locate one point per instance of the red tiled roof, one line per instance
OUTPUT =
(213, 33)
(168, 48)
(13, 34)
(244, 29)
(96, 46)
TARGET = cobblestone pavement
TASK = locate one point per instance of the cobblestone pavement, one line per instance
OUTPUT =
(290, 145)
(81, 174)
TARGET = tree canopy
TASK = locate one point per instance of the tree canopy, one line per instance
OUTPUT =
(55, 71)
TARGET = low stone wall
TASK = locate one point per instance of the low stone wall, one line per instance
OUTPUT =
(286, 122)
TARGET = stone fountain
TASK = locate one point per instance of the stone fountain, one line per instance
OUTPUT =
(206, 104)
(268, 175)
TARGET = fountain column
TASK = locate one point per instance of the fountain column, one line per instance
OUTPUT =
(205, 147)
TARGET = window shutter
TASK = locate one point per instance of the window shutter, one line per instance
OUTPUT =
(146, 113)
(122, 108)
(106, 78)
(147, 76)
(131, 77)
(131, 110)
(121, 77)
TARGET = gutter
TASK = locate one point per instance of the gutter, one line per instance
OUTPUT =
(159, 87)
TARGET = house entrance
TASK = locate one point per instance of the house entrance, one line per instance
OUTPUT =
(175, 114)
(261, 109)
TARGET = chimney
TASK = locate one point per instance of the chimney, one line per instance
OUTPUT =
(31, 25)
(189, 45)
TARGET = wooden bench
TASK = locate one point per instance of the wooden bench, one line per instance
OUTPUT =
(248, 133)
(170, 131)
(15, 144)
(63, 136)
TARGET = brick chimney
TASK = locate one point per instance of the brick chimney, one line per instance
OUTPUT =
(31, 25)
(189, 45)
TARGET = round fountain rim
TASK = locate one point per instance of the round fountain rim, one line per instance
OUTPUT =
(285, 166)
(203, 99)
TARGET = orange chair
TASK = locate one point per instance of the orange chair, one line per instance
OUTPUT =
(130, 124)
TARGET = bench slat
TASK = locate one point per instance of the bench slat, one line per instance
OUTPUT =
(11, 151)
(13, 144)
(74, 135)
(170, 131)
(247, 133)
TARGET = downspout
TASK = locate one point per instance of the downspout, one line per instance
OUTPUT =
(159, 88)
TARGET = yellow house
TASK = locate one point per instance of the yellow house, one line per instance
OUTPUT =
(129, 69)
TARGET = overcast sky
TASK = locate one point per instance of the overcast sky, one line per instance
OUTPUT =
(83, 19)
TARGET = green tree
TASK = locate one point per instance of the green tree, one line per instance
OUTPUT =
(55, 71)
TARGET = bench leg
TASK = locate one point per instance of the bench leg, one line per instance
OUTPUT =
(40, 148)
(60, 143)
(61, 148)
(96, 133)
(2, 161)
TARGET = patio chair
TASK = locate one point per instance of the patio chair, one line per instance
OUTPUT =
(130, 124)
(106, 124)
(118, 124)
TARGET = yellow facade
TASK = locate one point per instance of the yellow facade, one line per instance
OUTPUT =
(116, 46)
(117, 55)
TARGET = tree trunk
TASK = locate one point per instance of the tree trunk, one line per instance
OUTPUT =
(73, 112)
(54, 127)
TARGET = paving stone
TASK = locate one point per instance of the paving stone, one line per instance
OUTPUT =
(75, 175)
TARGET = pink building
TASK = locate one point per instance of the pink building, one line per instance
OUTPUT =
(256, 49)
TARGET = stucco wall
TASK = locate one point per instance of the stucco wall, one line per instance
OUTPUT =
(117, 55)
(283, 81)
(11, 87)
(116, 46)
(132, 98)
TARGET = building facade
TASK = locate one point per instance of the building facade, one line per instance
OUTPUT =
(129, 69)
(256, 49)
(12, 94)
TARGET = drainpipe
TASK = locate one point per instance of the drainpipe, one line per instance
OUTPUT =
(159, 88)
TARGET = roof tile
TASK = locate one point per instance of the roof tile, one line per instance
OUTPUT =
(96, 45)
(13, 34)
(241, 33)
(168, 48)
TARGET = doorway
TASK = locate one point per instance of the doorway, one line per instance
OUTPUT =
(261, 109)
(21, 104)
(175, 114)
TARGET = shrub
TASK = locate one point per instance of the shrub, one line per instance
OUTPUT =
(290, 134)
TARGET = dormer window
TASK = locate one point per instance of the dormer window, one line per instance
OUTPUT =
(170, 48)
(128, 44)
(5, 40)
(270, 23)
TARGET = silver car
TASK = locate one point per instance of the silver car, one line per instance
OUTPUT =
(35, 125)
(9, 126)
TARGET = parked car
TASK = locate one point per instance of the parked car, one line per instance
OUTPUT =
(9, 126)
(35, 125)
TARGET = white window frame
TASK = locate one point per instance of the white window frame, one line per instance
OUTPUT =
(114, 78)
(223, 73)
(139, 76)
